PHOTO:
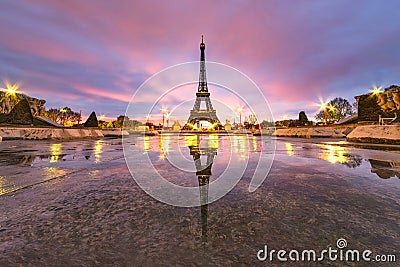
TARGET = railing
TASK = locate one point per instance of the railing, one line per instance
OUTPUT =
(387, 120)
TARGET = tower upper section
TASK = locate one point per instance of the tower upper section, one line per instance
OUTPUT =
(202, 76)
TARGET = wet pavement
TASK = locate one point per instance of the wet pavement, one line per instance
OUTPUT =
(75, 203)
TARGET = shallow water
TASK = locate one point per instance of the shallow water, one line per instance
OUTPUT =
(76, 203)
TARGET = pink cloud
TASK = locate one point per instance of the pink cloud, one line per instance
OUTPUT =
(295, 53)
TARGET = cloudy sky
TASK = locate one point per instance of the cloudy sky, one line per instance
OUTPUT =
(94, 54)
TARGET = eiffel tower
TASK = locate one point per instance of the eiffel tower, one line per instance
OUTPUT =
(208, 114)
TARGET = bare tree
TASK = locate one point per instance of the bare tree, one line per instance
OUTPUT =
(336, 109)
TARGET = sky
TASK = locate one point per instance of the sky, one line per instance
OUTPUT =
(93, 55)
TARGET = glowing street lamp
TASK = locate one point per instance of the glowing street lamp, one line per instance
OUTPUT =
(376, 90)
(10, 89)
(331, 107)
(102, 117)
(324, 106)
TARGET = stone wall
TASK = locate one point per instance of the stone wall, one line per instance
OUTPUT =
(310, 132)
(8, 102)
(385, 104)
(381, 134)
(48, 133)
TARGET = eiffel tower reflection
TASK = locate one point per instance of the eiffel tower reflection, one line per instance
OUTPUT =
(203, 147)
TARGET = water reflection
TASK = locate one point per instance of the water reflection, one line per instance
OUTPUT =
(255, 146)
(385, 169)
(146, 143)
(289, 149)
(52, 172)
(55, 150)
(334, 154)
(213, 141)
(239, 144)
(165, 140)
(337, 154)
(201, 150)
(16, 159)
(190, 140)
(98, 149)
(2, 185)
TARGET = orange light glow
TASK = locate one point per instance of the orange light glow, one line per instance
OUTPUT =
(322, 105)
(331, 108)
(164, 110)
(10, 89)
(376, 90)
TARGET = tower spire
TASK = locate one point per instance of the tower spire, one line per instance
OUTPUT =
(202, 77)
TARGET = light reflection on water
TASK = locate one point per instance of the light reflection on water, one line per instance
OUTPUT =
(2, 189)
(190, 140)
(52, 172)
(98, 149)
(289, 149)
(291, 212)
(47, 155)
(55, 150)
(334, 154)
(380, 163)
(255, 146)
(146, 142)
(331, 153)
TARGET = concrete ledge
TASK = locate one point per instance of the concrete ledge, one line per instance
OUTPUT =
(114, 132)
(309, 132)
(48, 133)
(379, 134)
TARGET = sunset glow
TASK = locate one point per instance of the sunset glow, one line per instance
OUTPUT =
(61, 54)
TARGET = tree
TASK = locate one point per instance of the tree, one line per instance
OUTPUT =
(303, 120)
(52, 114)
(336, 110)
(63, 116)
(265, 124)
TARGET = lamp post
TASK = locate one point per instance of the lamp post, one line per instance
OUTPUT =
(167, 117)
(323, 106)
(331, 109)
(164, 111)
(240, 109)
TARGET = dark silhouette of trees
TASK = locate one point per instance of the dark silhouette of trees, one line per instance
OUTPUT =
(63, 115)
